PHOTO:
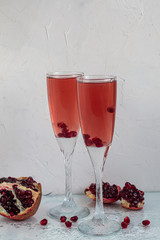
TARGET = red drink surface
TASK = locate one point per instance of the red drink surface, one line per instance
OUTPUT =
(97, 102)
(62, 98)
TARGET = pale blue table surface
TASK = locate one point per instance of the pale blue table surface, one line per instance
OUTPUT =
(30, 229)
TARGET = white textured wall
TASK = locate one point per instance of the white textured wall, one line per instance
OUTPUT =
(120, 37)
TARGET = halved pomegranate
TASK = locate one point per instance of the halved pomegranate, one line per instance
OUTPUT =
(110, 192)
(19, 197)
(131, 197)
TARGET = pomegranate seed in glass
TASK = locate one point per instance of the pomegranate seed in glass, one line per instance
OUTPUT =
(63, 106)
(97, 109)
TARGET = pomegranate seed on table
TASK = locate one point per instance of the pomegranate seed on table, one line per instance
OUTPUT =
(44, 222)
(68, 224)
(145, 222)
(63, 218)
(127, 220)
(124, 225)
(74, 219)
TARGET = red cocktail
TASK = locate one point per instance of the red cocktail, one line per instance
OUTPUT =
(62, 99)
(97, 107)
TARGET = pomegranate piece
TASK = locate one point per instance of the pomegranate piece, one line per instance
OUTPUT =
(145, 222)
(127, 220)
(131, 197)
(68, 224)
(110, 192)
(19, 197)
(63, 218)
(44, 222)
(124, 225)
(74, 219)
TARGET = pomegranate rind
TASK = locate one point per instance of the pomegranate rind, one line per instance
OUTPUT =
(126, 204)
(105, 200)
(29, 212)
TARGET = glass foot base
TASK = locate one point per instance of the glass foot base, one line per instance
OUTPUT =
(80, 212)
(99, 228)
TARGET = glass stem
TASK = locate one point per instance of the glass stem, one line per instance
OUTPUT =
(99, 211)
(68, 200)
(98, 158)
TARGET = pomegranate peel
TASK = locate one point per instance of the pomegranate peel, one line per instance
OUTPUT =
(19, 197)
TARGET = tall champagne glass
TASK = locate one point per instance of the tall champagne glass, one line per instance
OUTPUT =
(62, 99)
(97, 108)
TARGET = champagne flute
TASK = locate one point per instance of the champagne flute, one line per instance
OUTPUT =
(62, 99)
(97, 108)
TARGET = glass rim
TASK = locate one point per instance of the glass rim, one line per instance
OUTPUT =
(96, 78)
(65, 74)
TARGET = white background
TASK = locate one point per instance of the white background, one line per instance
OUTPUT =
(120, 37)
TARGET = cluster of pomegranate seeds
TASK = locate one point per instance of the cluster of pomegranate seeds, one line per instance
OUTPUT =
(132, 195)
(24, 196)
(109, 191)
(8, 203)
(92, 141)
(125, 222)
(97, 141)
(68, 223)
(145, 222)
(92, 188)
(65, 131)
(8, 180)
(44, 222)
(29, 183)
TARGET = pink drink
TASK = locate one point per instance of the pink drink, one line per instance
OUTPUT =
(97, 101)
(62, 98)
